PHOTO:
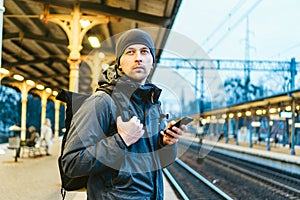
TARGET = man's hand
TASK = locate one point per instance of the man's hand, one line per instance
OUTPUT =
(173, 135)
(130, 131)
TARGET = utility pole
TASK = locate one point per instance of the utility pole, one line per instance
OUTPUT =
(247, 58)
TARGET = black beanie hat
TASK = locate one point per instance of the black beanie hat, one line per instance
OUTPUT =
(130, 37)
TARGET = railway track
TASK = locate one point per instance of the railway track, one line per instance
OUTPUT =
(280, 183)
(189, 184)
(241, 179)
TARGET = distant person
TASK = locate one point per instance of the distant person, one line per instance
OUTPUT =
(221, 136)
(34, 135)
(48, 134)
(276, 139)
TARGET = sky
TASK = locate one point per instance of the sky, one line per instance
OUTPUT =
(219, 28)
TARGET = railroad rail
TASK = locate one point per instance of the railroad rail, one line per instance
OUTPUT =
(276, 181)
(191, 185)
(242, 179)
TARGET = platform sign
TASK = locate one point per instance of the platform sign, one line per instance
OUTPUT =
(285, 114)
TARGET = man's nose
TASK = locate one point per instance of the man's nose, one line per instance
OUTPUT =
(138, 56)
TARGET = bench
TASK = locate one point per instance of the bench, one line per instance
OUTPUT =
(34, 149)
(14, 143)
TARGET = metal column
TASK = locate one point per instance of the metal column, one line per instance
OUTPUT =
(2, 9)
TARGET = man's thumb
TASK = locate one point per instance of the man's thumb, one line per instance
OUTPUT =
(119, 119)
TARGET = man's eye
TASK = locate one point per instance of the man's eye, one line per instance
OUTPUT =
(145, 51)
(129, 52)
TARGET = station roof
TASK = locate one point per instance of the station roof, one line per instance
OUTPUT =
(37, 48)
(278, 101)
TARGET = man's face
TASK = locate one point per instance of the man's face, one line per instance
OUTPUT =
(137, 62)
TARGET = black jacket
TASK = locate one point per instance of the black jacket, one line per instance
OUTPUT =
(96, 149)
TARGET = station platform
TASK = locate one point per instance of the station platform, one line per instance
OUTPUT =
(38, 178)
(278, 156)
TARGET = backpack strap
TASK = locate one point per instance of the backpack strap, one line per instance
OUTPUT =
(73, 101)
(122, 103)
(123, 106)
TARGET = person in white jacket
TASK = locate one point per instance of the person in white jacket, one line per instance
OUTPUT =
(47, 133)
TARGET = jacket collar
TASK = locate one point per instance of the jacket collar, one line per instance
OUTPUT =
(131, 88)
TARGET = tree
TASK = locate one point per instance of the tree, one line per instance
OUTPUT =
(10, 108)
(237, 92)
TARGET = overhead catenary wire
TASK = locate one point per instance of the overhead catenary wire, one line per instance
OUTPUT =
(230, 29)
(223, 22)
(290, 48)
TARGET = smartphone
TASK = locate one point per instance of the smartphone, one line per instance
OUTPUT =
(184, 120)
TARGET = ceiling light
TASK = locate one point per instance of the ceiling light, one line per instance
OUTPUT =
(272, 110)
(18, 77)
(3, 71)
(48, 90)
(30, 82)
(288, 108)
(248, 113)
(231, 115)
(55, 93)
(84, 23)
(94, 41)
(259, 112)
(40, 87)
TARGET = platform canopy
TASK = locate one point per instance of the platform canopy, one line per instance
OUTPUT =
(37, 47)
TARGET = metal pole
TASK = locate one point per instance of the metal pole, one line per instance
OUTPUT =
(251, 131)
(236, 130)
(293, 73)
(269, 129)
(2, 9)
(293, 129)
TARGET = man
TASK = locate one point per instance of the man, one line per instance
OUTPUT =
(123, 154)
(34, 135)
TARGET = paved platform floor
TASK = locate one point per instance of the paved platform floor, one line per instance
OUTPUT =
(38, 178)
(278, 148)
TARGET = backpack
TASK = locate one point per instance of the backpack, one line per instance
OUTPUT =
(73, 102)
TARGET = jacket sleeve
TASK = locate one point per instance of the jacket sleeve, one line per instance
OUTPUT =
(89, 147)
